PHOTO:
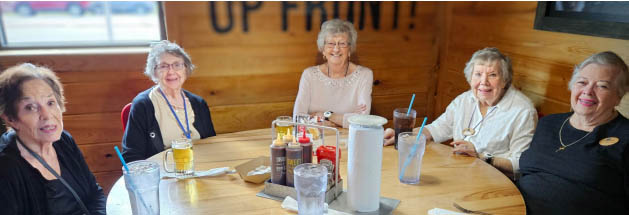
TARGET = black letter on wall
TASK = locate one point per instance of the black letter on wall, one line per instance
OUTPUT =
(217, 28)
(310, 6)
(285, 7)
(350, 11)
(336, 10)
(396, 8)
(245, 14)
(375, 15)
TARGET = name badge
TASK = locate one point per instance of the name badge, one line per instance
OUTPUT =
(608, 141)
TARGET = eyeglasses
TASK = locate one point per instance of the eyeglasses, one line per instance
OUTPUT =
(164, 67)
(340, 44)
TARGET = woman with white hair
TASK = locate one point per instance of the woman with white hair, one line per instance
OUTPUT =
(338, 88)
(165, 112)
(578, 162)
(492, 121)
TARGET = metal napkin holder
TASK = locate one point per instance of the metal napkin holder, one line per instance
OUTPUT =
(279, 192)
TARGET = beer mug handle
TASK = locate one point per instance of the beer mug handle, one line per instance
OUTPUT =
(166, 160)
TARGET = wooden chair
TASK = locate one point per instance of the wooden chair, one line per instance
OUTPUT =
(124, 116)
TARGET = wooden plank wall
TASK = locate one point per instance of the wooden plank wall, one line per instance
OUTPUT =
(542, 60)
(247, 78)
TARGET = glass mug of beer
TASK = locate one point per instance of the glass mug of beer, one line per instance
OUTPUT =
(283, 125)
(183, 156)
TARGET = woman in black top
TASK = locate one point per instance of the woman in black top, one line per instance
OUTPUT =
(578, 162)
(38, 158)
(165, 112)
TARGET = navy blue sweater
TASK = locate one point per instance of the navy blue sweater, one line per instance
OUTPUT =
(143, 138)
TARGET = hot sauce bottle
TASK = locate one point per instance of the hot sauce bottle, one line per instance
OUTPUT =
(293, 158)
(278, 161)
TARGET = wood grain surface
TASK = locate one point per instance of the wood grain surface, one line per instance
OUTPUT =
(542, 61)
(445, 178)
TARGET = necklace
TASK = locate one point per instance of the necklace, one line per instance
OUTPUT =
(186, 133)
(563, 146)
(471, 131)
(346, 69)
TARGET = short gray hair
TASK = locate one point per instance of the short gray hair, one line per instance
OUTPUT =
(337, 26)
(610, 59)
(163, 47)
(488, 55)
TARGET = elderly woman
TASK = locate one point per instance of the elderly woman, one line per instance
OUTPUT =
(578, 162)
(337, 89)
(493, 121)
(165, 112)
(42, 171)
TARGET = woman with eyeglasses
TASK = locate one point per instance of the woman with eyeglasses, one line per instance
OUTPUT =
(165, 112)
(338, 88)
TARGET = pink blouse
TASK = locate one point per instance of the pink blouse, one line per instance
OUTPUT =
(320, 93)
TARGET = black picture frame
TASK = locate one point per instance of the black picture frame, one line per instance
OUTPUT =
(598, 24)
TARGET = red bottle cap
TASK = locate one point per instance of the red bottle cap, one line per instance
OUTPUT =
(327, 152)
(304, 139)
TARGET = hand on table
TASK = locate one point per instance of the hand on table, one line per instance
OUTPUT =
(464, 147)
(389, 136)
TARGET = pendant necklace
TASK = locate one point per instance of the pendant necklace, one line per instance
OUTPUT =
(346, 69)
(563, 146)
(186, 133)
(469, 131)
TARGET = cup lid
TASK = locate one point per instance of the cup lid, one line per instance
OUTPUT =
(367, 120)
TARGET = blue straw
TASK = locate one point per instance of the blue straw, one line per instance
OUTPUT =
(413, 150)
(124, 164)
(410, 105)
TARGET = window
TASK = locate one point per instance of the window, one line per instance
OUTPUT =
(79, 23)
(603, 19)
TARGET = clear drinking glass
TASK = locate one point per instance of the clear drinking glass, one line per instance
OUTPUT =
(281, 127)
(403, 122)
(311, 181)
(142, 182)
(406, 143)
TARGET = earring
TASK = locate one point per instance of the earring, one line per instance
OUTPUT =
(324, 57)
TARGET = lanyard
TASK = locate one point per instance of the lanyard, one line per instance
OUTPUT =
(187, 133)
(53, 172)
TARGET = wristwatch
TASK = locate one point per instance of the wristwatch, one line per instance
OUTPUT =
(487, 157)
(327, 115)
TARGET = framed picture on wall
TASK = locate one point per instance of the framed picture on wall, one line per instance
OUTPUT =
(595, 18)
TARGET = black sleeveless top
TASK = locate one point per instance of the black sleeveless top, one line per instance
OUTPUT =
(60, 199)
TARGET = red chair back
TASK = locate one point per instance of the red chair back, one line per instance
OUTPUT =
(124, 116)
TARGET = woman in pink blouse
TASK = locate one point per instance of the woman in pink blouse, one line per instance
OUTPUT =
(337, 89)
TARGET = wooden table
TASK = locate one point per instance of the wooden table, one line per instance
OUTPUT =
(445, 178)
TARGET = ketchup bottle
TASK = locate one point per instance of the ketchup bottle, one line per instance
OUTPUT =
(306, 146)
(326, 155)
